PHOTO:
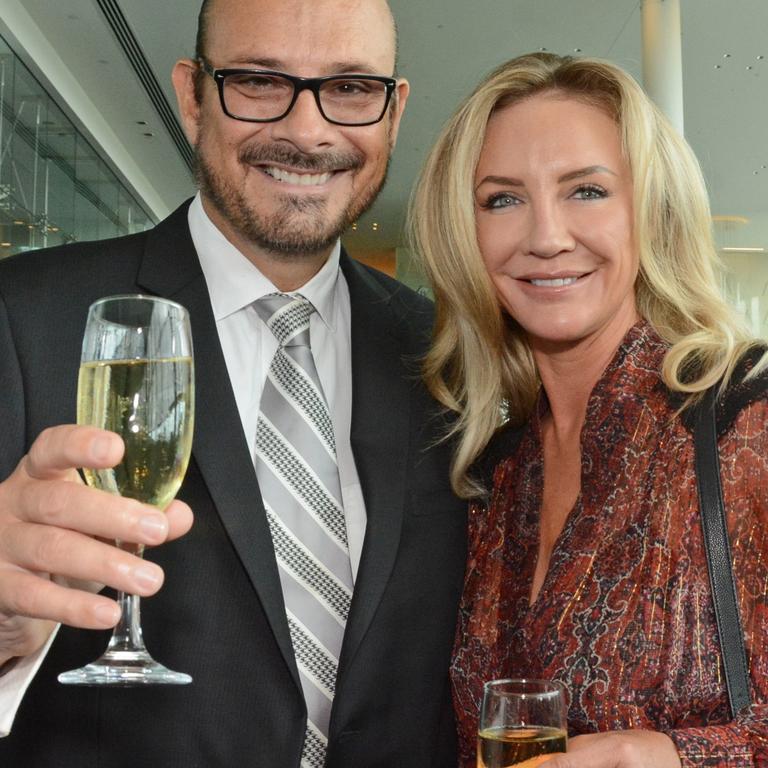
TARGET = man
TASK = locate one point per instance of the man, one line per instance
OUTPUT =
(277, 190)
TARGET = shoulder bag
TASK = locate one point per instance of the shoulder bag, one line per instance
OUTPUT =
(718, 550)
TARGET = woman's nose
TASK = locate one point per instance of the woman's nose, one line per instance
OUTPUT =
(549, 231)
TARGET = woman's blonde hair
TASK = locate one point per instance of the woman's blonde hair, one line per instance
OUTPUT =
(480, 362)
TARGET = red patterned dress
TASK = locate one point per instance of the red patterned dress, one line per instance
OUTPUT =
(624, 618)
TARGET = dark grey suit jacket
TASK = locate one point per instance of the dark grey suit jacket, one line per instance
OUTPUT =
(220, 613)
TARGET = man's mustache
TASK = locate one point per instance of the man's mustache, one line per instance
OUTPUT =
(320, 162)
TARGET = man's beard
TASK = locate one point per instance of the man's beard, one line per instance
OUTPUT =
(302, 226)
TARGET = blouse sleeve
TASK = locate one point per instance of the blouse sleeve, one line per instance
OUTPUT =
(744, 475)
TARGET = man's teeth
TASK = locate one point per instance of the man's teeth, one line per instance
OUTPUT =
(303, 179)
(557, 282)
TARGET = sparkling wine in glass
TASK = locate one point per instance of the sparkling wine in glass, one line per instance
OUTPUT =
(136, 379)
(520, 720)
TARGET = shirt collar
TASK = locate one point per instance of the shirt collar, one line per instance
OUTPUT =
(234, 282)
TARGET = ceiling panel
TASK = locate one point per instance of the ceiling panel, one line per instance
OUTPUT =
(80, 34)
(445, 47)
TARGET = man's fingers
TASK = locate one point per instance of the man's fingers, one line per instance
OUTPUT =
(58, 449)
(29, 595)
(74, 506)
(45, 549)
(180, 519)
(57, 502)
(52, 523)
(21, 636)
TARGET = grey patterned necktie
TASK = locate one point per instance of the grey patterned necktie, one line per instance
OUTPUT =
(299, 480)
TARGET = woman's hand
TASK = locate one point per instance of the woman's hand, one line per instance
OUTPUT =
(533, 762)
(618, 749)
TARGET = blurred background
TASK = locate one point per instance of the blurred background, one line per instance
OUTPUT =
(91, 145)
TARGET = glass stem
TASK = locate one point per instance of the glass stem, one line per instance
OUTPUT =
(127, 633)
(127, 636)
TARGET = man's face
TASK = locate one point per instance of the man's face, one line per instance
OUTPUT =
(293, 186)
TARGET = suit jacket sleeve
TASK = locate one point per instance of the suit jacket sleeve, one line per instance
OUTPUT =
(12, 438)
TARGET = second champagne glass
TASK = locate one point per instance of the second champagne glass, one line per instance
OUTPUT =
(136, 379)
(520, 720)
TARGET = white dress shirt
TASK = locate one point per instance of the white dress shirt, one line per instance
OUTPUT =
(234, 283)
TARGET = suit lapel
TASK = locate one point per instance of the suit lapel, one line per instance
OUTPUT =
(379, 438)
(170, 268)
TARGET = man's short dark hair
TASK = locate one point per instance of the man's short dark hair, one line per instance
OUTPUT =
(201, 42)
(202, 29)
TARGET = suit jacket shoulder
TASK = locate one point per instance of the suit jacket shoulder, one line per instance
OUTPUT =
(406, 304)
(219, 615)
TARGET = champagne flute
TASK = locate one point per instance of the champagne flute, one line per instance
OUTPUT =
(136, 379)
(519, 720)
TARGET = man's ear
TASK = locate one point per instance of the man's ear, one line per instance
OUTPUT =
(183, 77)
(402, 89)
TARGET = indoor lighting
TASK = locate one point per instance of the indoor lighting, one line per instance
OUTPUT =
(730, 219)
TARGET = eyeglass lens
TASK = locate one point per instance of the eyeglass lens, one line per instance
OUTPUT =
(264, 97)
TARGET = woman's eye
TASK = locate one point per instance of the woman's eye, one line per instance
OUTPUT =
(589, 192)
(503, 200)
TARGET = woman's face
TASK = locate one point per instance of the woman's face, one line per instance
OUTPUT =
(553, 201)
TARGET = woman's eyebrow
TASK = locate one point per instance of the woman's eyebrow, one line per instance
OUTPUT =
(511, 181)
(588, 171)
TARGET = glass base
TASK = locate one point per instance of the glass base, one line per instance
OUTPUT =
(124, 668)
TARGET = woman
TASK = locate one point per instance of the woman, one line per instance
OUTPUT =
(566, 231)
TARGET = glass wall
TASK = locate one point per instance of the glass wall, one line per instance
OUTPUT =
(54, 187)
(745, 279)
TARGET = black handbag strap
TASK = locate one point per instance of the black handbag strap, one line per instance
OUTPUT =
(718, 552)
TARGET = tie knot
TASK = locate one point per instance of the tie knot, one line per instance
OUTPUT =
(287, 317)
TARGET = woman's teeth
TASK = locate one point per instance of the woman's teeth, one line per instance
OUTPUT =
(557, 282)
(302, 179)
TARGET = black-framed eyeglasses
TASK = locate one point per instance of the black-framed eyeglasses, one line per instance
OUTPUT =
(263, 96)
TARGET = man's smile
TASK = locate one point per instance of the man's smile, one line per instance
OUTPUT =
(302, 179)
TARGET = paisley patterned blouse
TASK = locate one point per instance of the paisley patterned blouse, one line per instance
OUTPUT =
(624, 618)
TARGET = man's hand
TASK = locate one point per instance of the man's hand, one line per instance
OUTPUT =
(618, 749)
(50, 526)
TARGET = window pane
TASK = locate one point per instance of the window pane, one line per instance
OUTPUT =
(54, 187)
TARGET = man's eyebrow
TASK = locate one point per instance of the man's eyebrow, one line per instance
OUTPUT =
(336, 68)
(345, 67)
(257, 63)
